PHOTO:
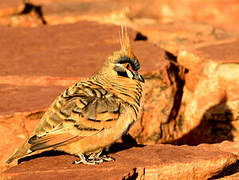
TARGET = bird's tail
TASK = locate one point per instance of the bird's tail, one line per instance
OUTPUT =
(21, 152)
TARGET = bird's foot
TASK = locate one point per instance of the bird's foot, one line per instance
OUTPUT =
(103, 158)
(107, 158)
(93, 160)
(88, 161)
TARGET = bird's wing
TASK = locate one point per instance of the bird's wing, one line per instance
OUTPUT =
(83, 110)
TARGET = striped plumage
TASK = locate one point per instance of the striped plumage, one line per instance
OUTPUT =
(92, 114)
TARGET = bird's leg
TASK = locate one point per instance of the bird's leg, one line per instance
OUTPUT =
(83, 160)
(93, 158)
(98, 157)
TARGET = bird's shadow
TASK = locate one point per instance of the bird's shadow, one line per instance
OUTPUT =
(127, 143)
(42, 154)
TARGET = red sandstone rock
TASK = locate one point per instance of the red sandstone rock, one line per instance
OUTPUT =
(26, 98)
(77, 50)
(9, 6)
(71, 11)
(38, 12)
(228, 146)
(18, 13)
(149, 162)
(218, 13)
(80, 49)
(231, 172)
(160, 105)
(210, 102)
(14, 129)
(176, 36)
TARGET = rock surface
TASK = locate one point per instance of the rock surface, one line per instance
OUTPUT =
(148, 162)
(210, 102)
(218, 13)
(228, 146)
(176, 36)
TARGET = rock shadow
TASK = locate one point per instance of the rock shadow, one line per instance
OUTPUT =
(228, 171)
(215, 126)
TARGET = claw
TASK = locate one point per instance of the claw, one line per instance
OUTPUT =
(92, 160)
(85, 162)
(107, 158)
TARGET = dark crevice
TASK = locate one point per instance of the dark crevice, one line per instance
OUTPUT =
(29, 7)
(176, 70)
(38, 10)
(134, 176)
(140, 37)
(170, 56)
(176, 74)
(228, 171)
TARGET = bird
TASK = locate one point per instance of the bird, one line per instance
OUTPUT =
(94, 113)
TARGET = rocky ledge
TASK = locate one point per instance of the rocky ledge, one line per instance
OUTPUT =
(131, 162)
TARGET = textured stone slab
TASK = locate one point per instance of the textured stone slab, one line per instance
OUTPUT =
(229, 146)
(26, 98)
(179, 35)
(225, 51)
(150, 162)
(68, 50)
(9, 4)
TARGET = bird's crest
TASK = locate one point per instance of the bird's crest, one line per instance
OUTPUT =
(125, 42)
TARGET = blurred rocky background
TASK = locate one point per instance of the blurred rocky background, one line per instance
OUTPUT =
(188, 127)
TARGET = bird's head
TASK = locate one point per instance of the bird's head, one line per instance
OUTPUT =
(123, 63)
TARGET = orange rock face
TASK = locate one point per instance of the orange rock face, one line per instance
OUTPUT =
(159, 105)
(180, 35)
(210, 100)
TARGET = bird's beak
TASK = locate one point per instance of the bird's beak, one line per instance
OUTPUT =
(138, 77)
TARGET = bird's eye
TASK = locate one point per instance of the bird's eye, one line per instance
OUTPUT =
(128, 66)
